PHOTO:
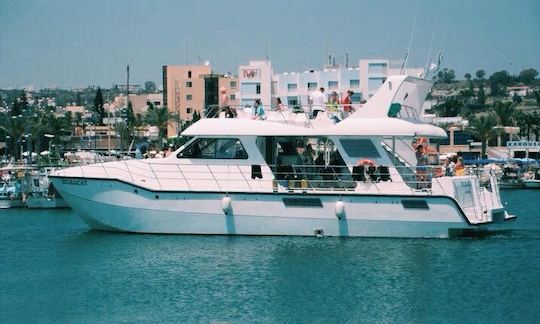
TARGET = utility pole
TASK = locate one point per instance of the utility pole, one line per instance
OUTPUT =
(127, 87)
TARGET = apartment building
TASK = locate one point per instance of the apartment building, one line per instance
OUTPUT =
(183, 91)
(258, 81)
(192, 88)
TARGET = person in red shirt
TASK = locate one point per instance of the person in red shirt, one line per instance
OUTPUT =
(346, 103)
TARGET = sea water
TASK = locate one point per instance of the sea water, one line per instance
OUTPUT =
(54, 269)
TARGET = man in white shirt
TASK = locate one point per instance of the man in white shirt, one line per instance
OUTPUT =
(319, 99)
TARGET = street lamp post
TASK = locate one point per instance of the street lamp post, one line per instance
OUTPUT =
(6, 150)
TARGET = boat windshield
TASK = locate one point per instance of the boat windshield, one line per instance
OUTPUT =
(214, 148)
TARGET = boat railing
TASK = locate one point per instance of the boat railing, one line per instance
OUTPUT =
(288, 114)
(163, 176)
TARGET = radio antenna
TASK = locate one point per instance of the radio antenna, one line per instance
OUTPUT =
(404, 66)
(428, 59)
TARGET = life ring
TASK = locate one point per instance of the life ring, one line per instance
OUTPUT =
(364, 162)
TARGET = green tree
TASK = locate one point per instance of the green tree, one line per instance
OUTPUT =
(19, 105)
(14, 127)
(78, 101)
(446, 75)
(99, 110)
(536, 95)
(480, 74)
(481, 95)
(498, 82)
(504, 113)
(125, 132)
(516, 98)
(482, 128)
(468, 77)
(162, 118)
(527, 76)
(150, 86)
(78, 118)
(451, 107)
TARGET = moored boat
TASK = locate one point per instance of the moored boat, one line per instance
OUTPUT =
(271, 177)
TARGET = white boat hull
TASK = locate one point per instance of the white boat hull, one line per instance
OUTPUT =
(117, 206)
(11, 203)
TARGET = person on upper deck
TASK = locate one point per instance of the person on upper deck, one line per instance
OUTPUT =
(333, 108)
(319, 99)
(346, 102)
(225, 104)
(258, 110)
(279, 105)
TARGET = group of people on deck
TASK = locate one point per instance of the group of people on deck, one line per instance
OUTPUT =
(453, 165)
(319, 103)
(335, 108)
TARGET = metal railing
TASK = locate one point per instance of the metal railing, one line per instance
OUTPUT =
(331, 110)
(299, 178)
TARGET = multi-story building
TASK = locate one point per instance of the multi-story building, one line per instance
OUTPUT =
(230, 84)
(183, 91)
(257, 81)
(212, 85)
(192, 88)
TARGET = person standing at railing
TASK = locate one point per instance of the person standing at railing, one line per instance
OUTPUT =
(319, 99)
(421, 166)
(279, 105)
(333, 108)
(225, 104)
(460, 167)
(346, 101)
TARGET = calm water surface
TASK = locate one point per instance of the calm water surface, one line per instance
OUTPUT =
(53, 269)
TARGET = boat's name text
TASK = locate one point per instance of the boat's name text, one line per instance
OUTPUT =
(74, 182)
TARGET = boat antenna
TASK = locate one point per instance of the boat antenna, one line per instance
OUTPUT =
(410, 42)
(428, 59)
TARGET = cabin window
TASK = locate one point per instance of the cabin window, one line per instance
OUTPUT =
(359, 148)
(214, 148)
(306, 162)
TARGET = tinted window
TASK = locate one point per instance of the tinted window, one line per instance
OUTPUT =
(359, 148)
(214, 148)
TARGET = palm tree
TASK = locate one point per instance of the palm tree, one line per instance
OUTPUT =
(124, 131)
(14, 128)
(162, 118)
(504, 113)
(483, 129)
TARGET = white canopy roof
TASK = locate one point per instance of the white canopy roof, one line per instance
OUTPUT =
(350, 127)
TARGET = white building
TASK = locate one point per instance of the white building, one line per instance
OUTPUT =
(257, 81)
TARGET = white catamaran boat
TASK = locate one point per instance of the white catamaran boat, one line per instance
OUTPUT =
(289, 175)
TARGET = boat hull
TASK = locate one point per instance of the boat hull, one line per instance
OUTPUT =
(106, 204)
(532, 184)
(45, 203)
(11, 203)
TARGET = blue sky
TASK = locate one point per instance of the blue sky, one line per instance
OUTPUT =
(72, 43)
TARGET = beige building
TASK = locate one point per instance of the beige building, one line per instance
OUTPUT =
(192, 88)
(232, 87)
(183, 91)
